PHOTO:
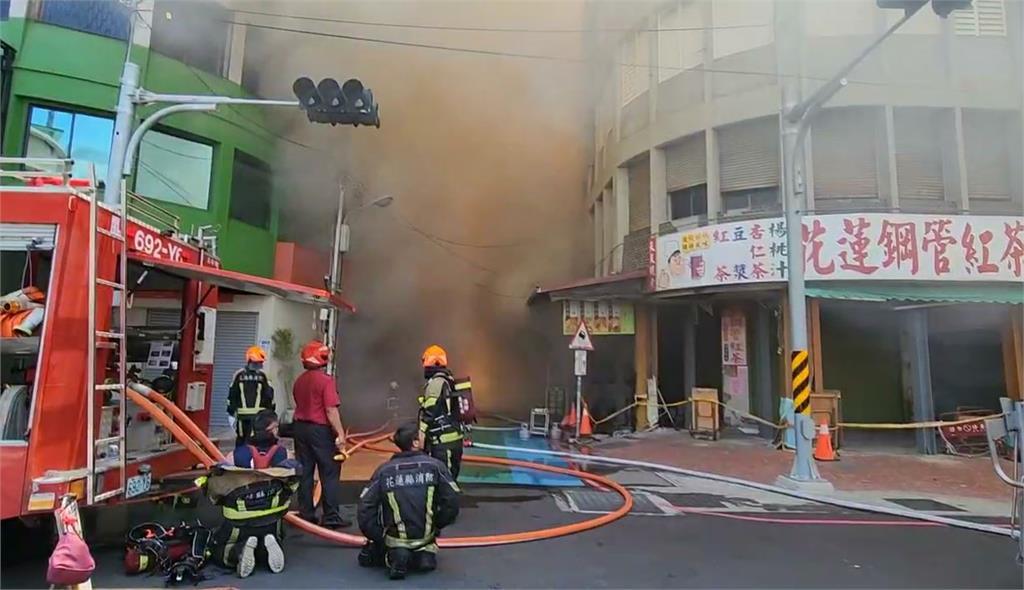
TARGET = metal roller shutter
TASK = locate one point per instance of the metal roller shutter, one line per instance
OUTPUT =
(19, 236)
(844, 141)
(163, 318)
(686, 163)
(749, 154)
(639, 195)
(919, 153)
(987, 152)
(236, 331)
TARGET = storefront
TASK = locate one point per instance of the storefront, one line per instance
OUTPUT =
(911, 316)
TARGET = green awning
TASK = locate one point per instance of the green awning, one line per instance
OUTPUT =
(958, 293)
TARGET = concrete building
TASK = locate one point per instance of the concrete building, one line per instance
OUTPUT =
(910, 169)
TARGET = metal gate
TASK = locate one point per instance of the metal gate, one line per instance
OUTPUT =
(236, 331)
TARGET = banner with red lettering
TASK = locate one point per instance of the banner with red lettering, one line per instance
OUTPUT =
(875, 246)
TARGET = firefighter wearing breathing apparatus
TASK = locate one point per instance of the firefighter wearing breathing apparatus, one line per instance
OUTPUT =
(440, 413)
(250, 392)
(401, 511)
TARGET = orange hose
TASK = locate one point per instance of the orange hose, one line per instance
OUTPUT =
(197, 433)
(198, 450)
(167, 422)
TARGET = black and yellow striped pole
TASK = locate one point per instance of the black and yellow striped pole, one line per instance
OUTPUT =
(801, 382)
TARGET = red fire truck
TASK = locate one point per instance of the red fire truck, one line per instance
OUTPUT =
(67, 423)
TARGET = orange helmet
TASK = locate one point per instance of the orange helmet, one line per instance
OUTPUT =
(255, 354)
(434, 356)
(315, 355)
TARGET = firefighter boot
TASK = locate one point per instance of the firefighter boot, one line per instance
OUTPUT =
(398, 563)
(426, 561)
(371, 555)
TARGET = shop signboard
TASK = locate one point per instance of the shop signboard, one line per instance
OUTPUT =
(603, 318)
(860, 246)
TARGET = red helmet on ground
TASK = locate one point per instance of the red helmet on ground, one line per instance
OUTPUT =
(255, 354)
(434, 356)
(315, 355)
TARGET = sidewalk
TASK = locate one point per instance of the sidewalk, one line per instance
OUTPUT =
(964, 484)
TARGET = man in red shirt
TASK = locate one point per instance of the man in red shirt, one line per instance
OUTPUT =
(319, 436)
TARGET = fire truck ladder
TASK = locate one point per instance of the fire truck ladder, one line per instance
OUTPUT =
(107, 450)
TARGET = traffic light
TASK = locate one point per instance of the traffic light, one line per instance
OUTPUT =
(941, 7)
(350, 103)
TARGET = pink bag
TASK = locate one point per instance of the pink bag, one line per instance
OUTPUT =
(70, 563)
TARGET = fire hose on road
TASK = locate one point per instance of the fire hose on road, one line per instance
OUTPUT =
(197, 443)
(203, 451)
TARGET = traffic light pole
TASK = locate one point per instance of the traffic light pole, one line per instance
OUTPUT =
(794, 122)
(126, 141)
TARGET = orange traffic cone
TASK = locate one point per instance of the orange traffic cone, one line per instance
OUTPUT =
(587, 425)
(823, 445)
(569, 422)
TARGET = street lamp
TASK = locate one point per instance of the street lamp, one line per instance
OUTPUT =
(333, 280)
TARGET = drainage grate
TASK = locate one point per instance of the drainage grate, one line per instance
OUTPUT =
(638, 477)
(924, 505)
(595, 502)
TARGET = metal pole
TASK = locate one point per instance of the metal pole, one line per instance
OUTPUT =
(787, 39)
(579, 404)
(122, 133)
(332, 313)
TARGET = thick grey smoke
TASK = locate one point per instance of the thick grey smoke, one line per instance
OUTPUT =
(486, 158)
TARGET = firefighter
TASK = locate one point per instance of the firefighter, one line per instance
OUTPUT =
(440, 411)
(319, 435)
(250, 392)
(404, 507)
(253, 504)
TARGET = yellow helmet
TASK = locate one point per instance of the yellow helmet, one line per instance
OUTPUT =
(434, 356)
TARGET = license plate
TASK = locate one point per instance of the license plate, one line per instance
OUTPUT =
(138, 485)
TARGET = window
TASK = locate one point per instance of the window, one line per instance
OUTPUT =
(56, 133)
(633, 66)
(195, 33)
(741, 25)
(758, 199)
(689, 202)
(251, 190)
(985, 18)
(109, 18)
(680, 40)
(174, 170)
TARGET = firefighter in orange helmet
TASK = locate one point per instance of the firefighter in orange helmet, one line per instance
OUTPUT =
(250, 392)
(440, 414)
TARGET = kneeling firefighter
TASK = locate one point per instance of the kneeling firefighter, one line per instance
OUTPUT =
(254, 495)
(440, 413)
(404, 507)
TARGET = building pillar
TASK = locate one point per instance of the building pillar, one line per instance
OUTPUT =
(689, 354)
(956, 179)
(659, 190)
(916, 357)
(598, 218)
(888, 180)
(761, 376)
(236, 53)
(612, 247)
(713, 171)
(621, 187)
(641, 363)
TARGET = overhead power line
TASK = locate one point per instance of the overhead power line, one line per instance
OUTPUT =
(531, 56)
(362, 23)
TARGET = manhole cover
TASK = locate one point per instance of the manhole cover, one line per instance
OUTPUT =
(924, 505)
(595, 502)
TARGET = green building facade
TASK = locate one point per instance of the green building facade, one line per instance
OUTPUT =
(62, 63)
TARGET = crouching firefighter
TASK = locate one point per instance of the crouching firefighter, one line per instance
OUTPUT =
(404, 507)
(254, 495)
(440, 413)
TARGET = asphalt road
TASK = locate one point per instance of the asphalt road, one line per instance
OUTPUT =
(687, 551)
